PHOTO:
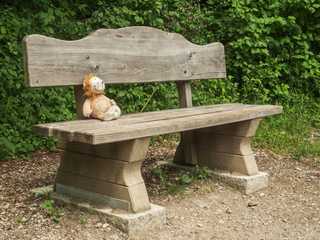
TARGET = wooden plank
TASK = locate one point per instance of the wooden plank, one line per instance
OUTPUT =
(127, 55)
(187, 138)
(108, 170)
(184, 92)
(104, 132)
(80, 99)
(173, 125)
(67, 126)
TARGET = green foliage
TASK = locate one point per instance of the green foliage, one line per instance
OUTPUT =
(201, 174)
(292, 132)
(52, 211)
(272, 56)
(19, 222)
(160, 173)
(175, 181)
(272, 47)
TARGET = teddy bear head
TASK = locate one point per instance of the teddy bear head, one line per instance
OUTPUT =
(93, 86)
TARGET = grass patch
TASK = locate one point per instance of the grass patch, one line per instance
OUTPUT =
(296, 131)
(171, 180)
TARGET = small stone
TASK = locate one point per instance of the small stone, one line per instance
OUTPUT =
(261, 195)
(218, 212)
(87, 226)
(251, 204)
(105, 225)
(200, 225)
(98, 225)
(6, 206)
(228, 210)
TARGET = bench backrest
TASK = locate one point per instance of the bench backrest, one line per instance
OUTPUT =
(126, 55)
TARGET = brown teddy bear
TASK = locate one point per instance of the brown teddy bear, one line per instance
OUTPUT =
(97, 105)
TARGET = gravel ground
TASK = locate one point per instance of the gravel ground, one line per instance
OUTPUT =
(288, 209)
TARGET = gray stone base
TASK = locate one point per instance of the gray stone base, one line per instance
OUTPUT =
(129, 223)
(245, 184)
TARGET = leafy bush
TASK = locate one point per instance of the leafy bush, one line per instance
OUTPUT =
(272, 47)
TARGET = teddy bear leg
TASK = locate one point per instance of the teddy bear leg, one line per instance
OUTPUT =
(108, 115)
(117, 112)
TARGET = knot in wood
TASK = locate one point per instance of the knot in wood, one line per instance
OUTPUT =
(96, 68)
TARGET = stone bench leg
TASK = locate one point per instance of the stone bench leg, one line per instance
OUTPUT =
(106, 173)
(186, 152)
(228, 147)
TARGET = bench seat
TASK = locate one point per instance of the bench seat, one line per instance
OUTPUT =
(139, 125)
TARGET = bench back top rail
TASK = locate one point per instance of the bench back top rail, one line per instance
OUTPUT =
(125, 55)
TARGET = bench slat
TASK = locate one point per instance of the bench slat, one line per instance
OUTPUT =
(126, 55)
(134, 126)
(84, 125)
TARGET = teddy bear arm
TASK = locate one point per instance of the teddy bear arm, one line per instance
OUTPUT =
(112, 102)
(86, 109)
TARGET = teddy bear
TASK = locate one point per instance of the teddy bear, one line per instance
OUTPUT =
(97, 105)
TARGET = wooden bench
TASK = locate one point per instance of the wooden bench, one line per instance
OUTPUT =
(100, 161)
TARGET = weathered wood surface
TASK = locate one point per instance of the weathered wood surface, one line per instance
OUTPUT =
(126, 55)
(141, 125)
(187, 151)
(80, 99)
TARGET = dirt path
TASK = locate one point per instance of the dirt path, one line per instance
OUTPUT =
(288, 209)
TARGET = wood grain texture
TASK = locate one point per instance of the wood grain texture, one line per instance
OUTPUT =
(184, 92)
(126, 55)
(80, 99)
(188, 145)
(145, 125)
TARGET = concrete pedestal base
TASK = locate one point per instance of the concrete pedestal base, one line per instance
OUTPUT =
(127, 222)
(245, 184)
